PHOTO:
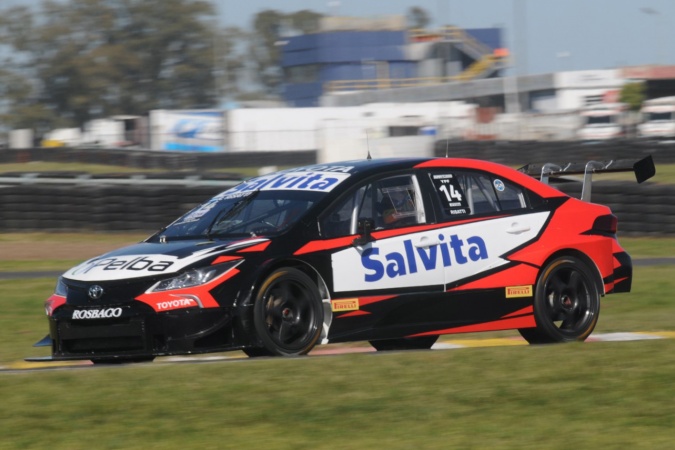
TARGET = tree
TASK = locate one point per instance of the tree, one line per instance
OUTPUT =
(94, 58)
(305, 21)
(633, 94)
(231, 55)
(268, 37)
(418, 18)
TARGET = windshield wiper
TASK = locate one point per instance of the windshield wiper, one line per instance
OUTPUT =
(234, 210)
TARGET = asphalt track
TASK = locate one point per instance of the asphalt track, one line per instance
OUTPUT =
(327, 350)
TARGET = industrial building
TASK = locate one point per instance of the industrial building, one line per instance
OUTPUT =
(355, 54)
(354, 61)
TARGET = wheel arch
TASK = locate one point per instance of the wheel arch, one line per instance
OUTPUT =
(597, 276)
(245, 305)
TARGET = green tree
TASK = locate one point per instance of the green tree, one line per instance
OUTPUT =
(305, 21)
(84, 59)
(268, 38)
(418, 17)
(231, 55)
(633, 94)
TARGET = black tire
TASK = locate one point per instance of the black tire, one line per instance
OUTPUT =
(566, 303)
(117, 361)
(416, 343)
(288, 313)
(256, 352)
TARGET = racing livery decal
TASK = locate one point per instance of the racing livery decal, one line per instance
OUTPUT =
(297, 181)
(118, 267)
(436, 257)
(518, 291)
(348, 304)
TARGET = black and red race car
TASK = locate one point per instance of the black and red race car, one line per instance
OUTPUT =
(393, 251)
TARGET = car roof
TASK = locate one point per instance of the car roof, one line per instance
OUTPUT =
(364, 168)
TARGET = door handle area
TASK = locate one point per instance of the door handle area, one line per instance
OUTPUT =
(425, 242)
(517, 228)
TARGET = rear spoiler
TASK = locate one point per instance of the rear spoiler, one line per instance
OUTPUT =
(643, 168)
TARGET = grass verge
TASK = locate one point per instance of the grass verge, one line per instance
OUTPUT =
(589, 395)
(586, 395)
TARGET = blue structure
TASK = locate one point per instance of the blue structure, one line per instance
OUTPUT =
(310, 61)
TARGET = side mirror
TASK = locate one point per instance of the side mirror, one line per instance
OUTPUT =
(364, 228)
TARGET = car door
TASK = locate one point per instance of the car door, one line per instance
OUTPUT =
(398, 258)
(482, 220)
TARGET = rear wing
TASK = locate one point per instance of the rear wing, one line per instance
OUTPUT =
(643, 168)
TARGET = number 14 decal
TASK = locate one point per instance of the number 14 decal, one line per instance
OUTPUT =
(452, 194)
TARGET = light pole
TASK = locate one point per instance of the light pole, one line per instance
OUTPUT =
(660, 34)
(560, 57)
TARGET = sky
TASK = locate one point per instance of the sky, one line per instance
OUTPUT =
(543, 36)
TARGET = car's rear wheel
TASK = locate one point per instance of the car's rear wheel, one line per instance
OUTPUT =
(566, 303)
(288, 313)
(416, 343)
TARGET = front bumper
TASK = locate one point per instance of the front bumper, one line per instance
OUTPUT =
(140, 332)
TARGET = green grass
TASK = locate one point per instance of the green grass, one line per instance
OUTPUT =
(592, 395)
(586, 395)
(648, 247)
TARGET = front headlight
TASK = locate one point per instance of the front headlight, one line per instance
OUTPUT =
(193, 277)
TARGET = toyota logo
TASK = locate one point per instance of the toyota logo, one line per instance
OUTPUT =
(95, 292)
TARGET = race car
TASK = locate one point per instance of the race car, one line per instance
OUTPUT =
(396, 252)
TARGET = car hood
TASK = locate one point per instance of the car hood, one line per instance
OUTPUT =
(153, 259)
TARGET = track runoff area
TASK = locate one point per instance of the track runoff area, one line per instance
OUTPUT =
(338, 349)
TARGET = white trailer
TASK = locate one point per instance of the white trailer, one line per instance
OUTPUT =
(603, 121)
(657, 118)
(287, 129)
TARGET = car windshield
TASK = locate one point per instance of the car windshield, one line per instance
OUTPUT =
(600, 120)
(253, 213)
(653, 116)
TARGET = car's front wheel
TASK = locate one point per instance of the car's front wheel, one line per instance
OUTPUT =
(288, 313)
(566, 303)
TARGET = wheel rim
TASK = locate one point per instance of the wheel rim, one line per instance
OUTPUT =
(289, 315)
(569, 300)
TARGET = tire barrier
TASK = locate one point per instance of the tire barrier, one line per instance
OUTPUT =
(519, 153)
(97, 208)
(642, 210)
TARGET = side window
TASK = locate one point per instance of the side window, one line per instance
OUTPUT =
(481, 194)
(397, 202)
(509, 196)
(391, 202)
(464, 193)
(341, 219)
